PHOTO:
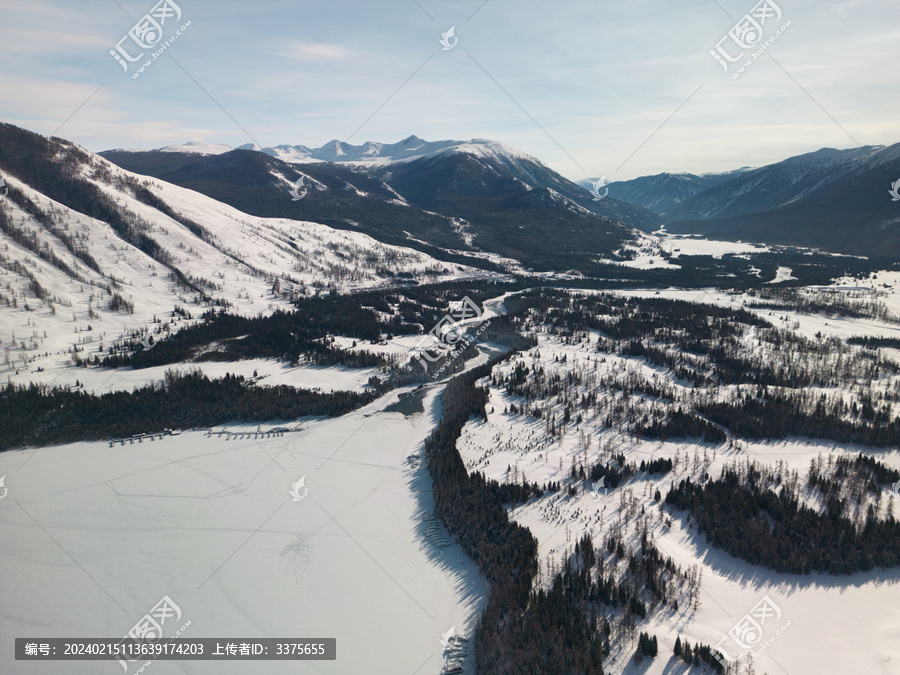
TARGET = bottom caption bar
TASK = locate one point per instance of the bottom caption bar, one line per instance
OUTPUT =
(187, 649)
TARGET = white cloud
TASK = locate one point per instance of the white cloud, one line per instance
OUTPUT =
(311, 51)
(600, 83)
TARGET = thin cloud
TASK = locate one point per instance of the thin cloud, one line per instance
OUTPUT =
(312, 51)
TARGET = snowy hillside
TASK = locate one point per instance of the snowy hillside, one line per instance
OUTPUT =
(69, 281)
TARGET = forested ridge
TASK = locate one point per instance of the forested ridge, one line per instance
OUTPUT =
(757, 514)
(42, 415)
(728, 370)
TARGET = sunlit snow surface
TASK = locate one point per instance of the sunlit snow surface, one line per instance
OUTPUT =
(94, 536)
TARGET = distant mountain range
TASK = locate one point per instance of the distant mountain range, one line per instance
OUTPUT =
(663, 192)
(369, 153)
(837, 200)
(471, 197)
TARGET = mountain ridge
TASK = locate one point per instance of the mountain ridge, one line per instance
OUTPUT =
(446, 194)
(369, 153)
(833, 199)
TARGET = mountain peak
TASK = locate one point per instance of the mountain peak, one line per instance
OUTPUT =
(369, 153)
(198, 148)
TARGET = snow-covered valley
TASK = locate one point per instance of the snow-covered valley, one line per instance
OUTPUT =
(438, 454)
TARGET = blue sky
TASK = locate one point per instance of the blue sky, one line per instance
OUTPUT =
(590, 88)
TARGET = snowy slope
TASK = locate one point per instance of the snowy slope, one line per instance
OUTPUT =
(247, 263)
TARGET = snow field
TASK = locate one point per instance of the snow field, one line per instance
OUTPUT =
(94, 536)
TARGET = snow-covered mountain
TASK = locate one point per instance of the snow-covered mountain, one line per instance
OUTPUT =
(91, 254)
(368, 154)
(458, 196)
(378, 154)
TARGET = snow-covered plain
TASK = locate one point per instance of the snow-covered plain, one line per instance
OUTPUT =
(662, 249)
(677, 245)
(94, 536)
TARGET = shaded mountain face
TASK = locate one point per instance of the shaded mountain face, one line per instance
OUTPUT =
(663, 192)
(454, 200)
(854, 214)
(450, 179)
(518, 207)
(771, 186)
(835, 200)
(152, 162)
